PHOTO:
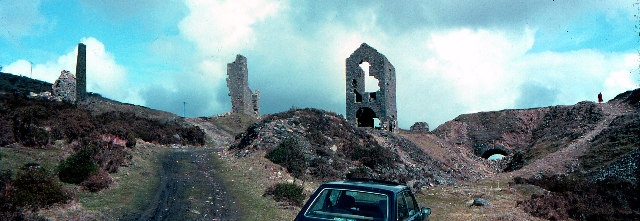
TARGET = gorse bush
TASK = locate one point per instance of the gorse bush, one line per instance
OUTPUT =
(289, 155)
(77, 167)
(97, 181)
(370, 154)
(36, 188)
(286, 192)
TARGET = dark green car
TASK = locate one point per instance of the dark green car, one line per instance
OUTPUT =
(362, 199)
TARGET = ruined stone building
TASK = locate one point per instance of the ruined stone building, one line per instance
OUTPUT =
(371, 108)
(81, 73)
(243, 100)
(64, 89)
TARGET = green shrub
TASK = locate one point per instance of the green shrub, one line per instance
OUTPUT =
(77, 167)
(286, 192)
(36, 188)
(370, 154)
(289, 155)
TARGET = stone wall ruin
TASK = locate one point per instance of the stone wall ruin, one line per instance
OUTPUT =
(365, 109)
(64, 89)
(243, 100)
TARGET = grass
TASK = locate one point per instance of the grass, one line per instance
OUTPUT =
(131, 190)
(247, 183)
(233, 123)
(133, 185)
(453, 202)
(14, 158)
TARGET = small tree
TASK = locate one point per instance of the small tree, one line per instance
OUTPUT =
(77, 167)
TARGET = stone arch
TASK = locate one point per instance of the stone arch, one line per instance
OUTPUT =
(490, 152)
(365, 117)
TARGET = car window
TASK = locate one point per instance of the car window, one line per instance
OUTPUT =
(341, 204)
(412, 205)
(401, 207)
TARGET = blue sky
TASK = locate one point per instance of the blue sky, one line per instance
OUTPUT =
(450, 57)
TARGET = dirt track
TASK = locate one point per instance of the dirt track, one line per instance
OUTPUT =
(188, 190)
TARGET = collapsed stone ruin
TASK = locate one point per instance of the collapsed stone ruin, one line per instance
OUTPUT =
(243, 100)
(64, 89)
(377, 108)
(69, 87)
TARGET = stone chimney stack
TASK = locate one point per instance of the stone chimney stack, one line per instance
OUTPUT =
(81, 73)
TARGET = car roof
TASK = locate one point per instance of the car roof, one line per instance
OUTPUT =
(367, 185)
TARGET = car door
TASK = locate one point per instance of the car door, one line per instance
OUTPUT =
(407, 207)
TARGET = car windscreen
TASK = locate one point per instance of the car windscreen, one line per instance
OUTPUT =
(342, 204)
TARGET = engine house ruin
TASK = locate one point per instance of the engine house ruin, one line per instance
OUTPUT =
(243, 100)
(365, 107)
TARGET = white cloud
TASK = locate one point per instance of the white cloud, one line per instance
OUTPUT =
(20, 18)
(447, 73)
(224, 27)
(580, 75)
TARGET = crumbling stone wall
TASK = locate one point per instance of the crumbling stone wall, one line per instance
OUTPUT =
(64, 89)
(363, 107)
(81, 73)
(243, 100)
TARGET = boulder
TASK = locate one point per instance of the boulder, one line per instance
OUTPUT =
(480, 202)
(420, 127)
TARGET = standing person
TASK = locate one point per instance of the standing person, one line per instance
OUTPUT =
(600, 97)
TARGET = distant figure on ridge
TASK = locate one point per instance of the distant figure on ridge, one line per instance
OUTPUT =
(600, 97)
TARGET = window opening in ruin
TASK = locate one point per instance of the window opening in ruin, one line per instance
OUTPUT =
(494, 154)
(358, 96)
(372, 97)
(354, 83)
(365, 117)
(370, 82)
(376, 123)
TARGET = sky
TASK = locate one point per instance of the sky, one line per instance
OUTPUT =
(451, 57)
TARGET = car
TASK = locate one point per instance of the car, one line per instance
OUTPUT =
(362, 199)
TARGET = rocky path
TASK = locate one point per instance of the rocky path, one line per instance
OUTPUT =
(189, 188)
(566, 159)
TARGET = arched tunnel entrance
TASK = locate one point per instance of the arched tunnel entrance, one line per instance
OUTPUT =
(366, 117)
(494, 154)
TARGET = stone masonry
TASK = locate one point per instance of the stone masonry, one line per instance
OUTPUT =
(64, 89)
(243, 100)
(81, 73)
(364, 107)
